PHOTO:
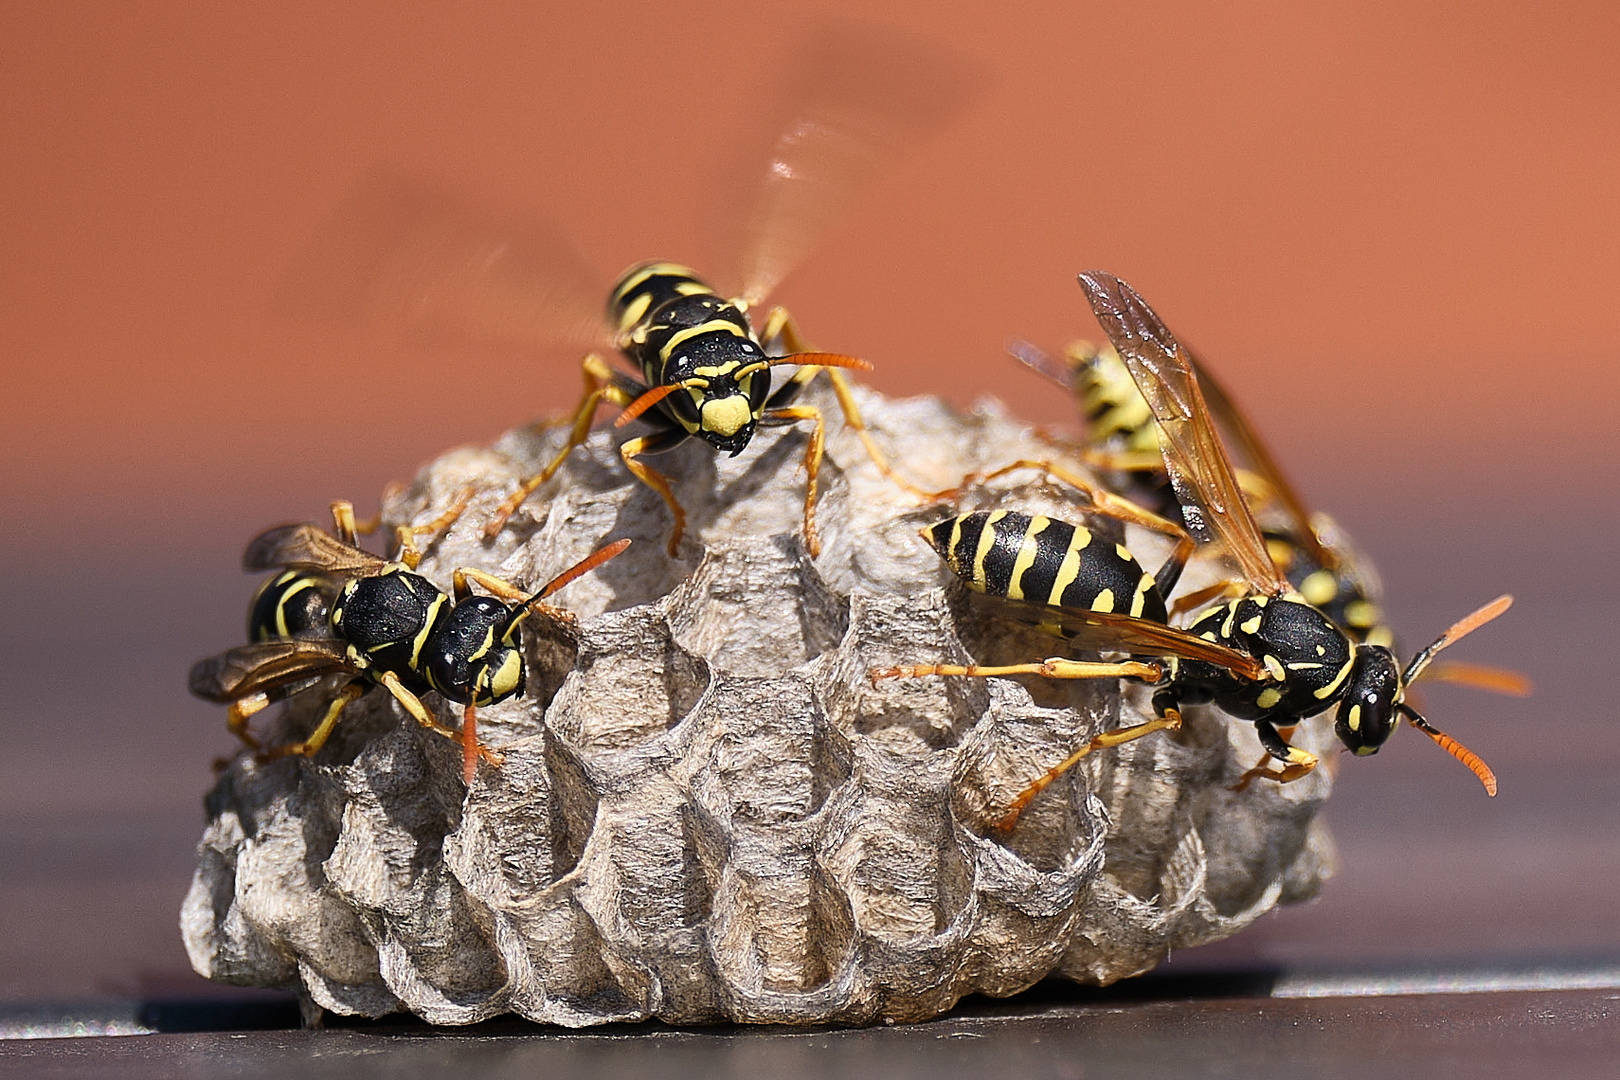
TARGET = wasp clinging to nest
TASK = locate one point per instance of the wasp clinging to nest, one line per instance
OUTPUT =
(1266, 656)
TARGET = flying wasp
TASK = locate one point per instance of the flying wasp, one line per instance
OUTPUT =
(335, 609)
(1266, 656)
(700, 360)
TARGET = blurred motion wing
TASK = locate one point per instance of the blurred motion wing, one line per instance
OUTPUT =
(863, 98)
(411, 257)
(1195, 459)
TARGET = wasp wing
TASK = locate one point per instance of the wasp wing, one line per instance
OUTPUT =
(1058, 369)
(411, 256)
(1195, 459)
(266, 666)
(863, 97)
(306, 545)
(1110, 632)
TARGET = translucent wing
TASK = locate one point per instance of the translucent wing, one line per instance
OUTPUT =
(1106, 631)
(409, 256)
(1212, 503)
(862, 99)
(1057, 369)
(1258, 457)
(265, 666)
(306, 545)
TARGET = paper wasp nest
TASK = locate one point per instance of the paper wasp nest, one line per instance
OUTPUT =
(707, 811)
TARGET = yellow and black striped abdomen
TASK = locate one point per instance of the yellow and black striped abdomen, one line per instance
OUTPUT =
(645, 288)
(294, 603)
(1045, 561)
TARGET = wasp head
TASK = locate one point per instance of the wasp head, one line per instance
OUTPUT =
(1368, 712)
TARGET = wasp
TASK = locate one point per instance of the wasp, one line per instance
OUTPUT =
(1267, 656)
(678, 354)
(335, 609)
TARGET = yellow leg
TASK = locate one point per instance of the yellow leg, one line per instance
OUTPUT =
(812, 464)
(656, 480)
(237, 716)
(1170, 721)
(323, 731)
(1053, 668)
(506, 591)
(343, 525)
(414, 706)
(780, 325)
(1199, 597)
(405, 535)
(1295, 762)
(599, 387)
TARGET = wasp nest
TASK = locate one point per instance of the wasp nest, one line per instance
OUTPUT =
(707, 811)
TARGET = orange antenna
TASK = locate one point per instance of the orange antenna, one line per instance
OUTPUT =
(646, 401)
(1473, 761)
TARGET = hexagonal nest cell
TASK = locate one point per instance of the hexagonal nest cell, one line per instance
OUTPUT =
(707, 811)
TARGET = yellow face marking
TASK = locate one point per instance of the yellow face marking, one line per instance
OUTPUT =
(726, 416)
(987, 540)
(485, 645)
(1268, 697)
(1250, 627)
(1353, 719)
(710, 371)
(1319, 588)
(1026, 556)
(1275, 667)
(1104, 601)
(682, 337)
(1338, 680)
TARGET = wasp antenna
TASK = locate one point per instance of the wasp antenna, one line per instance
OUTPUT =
(821, 359)
(1459, 630)
(1473, 761)
(645, 402)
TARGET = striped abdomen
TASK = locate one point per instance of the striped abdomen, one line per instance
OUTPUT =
(1045, 561)
(294, 603)
(1116, 412)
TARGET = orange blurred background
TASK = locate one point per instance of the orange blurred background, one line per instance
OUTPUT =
(1390, 227)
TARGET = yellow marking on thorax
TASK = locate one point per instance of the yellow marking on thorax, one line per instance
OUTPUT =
(1231, 615)
(1251, 626)
(1026, 556)
(420, 641)
(1338, 680)
(1268, 697)
(682, 337)
(1139, 601)
(1275, 667)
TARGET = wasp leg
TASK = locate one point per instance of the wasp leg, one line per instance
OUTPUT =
(343, 524)
(323, 731)
(602, 383)
(812, 461)
(1056, 667)
(405, 535)
(1199, 597)
(1168, 718)
(655, 444)
(780, 325)
(237, 716)
(506, 591)
(414, 706)
(1296, 762)
(1124, 460)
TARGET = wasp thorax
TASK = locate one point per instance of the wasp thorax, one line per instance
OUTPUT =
(476, 657)
(387, 617)
(1367, 712)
